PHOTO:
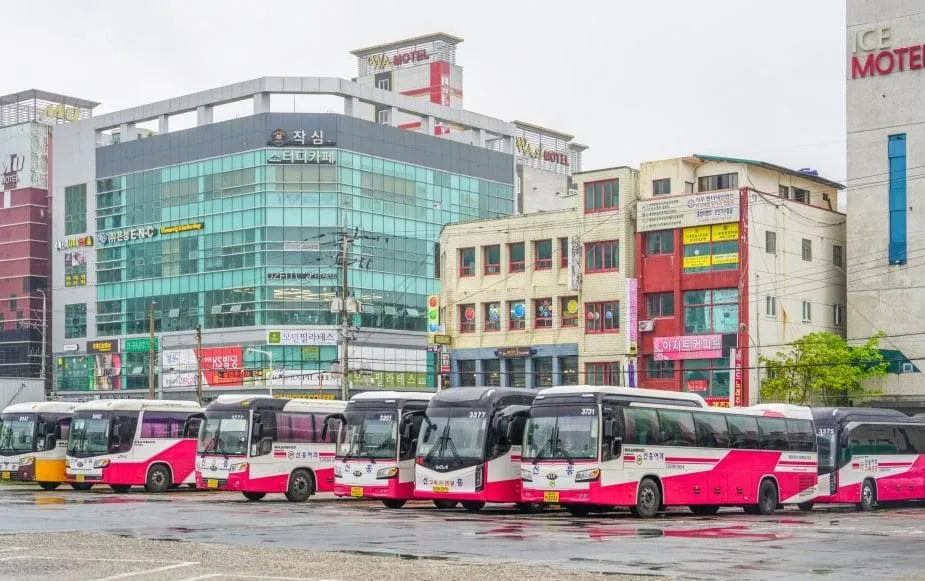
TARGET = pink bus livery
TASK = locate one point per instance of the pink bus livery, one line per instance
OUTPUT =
(594, 448)
(259, 445)
(132, 442)
(469, 447)
(376, 445)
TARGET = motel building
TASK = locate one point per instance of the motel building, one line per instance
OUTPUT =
(736, 258)
(545, 298)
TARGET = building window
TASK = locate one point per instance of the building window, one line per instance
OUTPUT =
(518, 315)
(491, 372)
(784, 192)
(706, 377)
(383, 116)
(492, 316)
(384, 84)
(466, 369)
(838, 315)
(659, 242)
(659, 305)
(467, 318)
(770, 242)
(515, 253)
(569, 310)
(896, 151)
(563, 252)
(568, 370)
(466, 262)
(543, 251)
(688, 187)
(603, 373)
(75, 321)
(517, 372)
(770, 306)
(838, 255)
(659, 369)
(807, 311)
(75, 209)
(725, 181)
(801, 195)
(603, 317)
(602, 256)
(542, 372)
(711, 248)
(542, 313)
(661, 187)
(602, 196)
(807, 249)
(711, 311)
(492, 259)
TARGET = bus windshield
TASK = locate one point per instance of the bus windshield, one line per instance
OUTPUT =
(17, 433)
(89, 434)
(453, 434)
(224, 433)
(827, 446)
(369, 434)
(561, 433)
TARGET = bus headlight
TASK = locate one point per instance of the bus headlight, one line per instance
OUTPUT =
(387, 472)
(587, 475)
(338, 471)
(239, 467)
(101, 463)
(526, 475)
(27, 461)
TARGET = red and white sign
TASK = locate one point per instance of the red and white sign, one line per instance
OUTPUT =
(697, 385)
(221, 366)
(687, 347)
(738, 380)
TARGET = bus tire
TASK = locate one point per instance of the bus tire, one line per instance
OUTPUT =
(868, 496)
(473, 505)
(49, 485)
(445, 504)
(704, 509)
(648, 498)
(158, 480)
(82, 486)
(254, 496)
(120, 488)
(301, 486)
(805, 506)
(529, 507)
(768, 497)
(579, 510)
(394, 503)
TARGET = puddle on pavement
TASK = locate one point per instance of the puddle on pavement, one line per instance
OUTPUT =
(403, 556)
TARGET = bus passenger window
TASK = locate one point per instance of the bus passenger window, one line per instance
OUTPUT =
(773, 434)
(641, 426)
(711, 430)
(743, 432)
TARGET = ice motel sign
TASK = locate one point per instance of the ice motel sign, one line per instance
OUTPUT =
(873, 56)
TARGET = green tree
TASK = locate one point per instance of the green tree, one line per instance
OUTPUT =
(822, 367)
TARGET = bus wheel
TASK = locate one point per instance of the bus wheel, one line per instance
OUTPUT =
(301, 486)
(393, 502)
(704, 509)
(120, 488)
(445, 504)
(767, 497)
(254, 496)
(868, 496)
(158, 479)
(49, 485)
(473, 505)
(529, 507)
(83, 486)
(805, 506)
(648, 499)
(578, 509)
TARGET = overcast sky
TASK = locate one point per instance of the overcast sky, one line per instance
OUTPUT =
(635, 80)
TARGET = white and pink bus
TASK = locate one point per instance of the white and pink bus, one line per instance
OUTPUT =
(469, 447)
(869, 456)
(259, 445)
(594, 448)
(133, 442)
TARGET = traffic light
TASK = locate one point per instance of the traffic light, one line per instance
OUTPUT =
(433, 314)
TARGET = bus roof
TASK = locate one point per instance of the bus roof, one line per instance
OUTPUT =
(834, 414)
(139, 405)
(483, 395)
(391, 396)
(37, 407)
(328, 406)
(652, 394)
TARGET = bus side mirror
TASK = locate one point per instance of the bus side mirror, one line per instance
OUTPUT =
(258, 430)
(50, 442)
(609, 429)
(266, 446)
(407, 429)
(331, 423)
(616, 447)
(42, 429)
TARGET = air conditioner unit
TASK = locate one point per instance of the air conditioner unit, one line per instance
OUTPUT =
(646, 326)
(908, 368)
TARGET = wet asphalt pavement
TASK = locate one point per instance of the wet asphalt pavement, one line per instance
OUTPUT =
(824, 544)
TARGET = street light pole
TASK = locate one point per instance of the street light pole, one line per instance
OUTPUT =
(151, 358)
(344, 314)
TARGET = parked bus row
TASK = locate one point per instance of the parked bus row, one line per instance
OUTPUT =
(585, 448)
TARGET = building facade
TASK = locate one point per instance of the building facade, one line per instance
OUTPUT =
(545, 298)
(885, 126)
(26, 122)
(736, 258)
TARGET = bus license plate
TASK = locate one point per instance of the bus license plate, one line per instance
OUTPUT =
(441, 489)
(212, 483)
(356, 492)
(4, 475)
(80, 478)
(550, 497)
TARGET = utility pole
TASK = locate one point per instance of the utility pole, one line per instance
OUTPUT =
(199, 364)
(151, 358)
(44, 331)
(344, 314)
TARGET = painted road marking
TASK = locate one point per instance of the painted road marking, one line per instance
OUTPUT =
(146, 571)
(252, 577)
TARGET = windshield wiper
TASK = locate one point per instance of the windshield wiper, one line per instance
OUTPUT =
(562, 451)
(539, 453)
(445, 441)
